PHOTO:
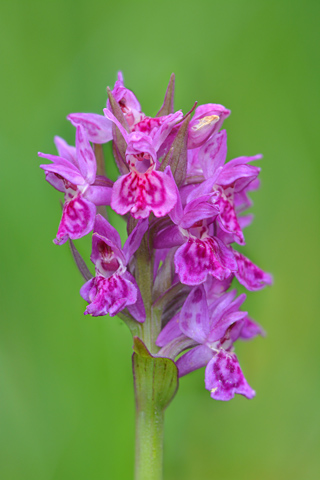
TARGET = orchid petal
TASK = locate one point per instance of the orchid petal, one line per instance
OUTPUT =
(56, 181)
(66, 170)
(169, 237)
(99, 195)
(249, 275)
(194, 359)
(134, 239)
(176, 213)
(200, 129)
(103, 228)
(169, 332)
(194, 316)
(238, 173)
(199, 209)
(85, 156)
(224, 377)
(98, 128)
(144, 193)
(213, 154)
(214, 287)
(108, 295)
(212, 109)
(165, 128)
(198, 258)
(113, 119)
(227, 218)
(66, 151)
(251, 329)
(127, 101)
(137, 309)
(77, 219)
(221, 327)
(205, 187)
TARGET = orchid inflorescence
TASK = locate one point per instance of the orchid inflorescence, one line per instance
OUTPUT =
(184, 207)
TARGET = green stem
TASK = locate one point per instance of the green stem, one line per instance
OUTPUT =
(155, 385)
(149, 429)
(149, 416)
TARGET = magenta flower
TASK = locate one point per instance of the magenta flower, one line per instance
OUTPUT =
(211, 330)
(98, 127)
(113, 288)
(233, 180)
(201, 252)
(74, 173)
(144, 189)
(128, 102)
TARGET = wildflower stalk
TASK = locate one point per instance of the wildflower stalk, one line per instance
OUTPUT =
(149, 422)
(155, 378)
(155, 384)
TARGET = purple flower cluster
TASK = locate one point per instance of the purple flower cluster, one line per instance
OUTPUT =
(185, 204)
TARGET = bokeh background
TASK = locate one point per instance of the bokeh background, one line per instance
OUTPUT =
(67, 406)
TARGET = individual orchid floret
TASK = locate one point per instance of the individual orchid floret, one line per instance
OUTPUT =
(213, 328)
(113, 288)
(127, 101)
(233, 179)
(74, 173)
(200, 253)
(144, 189)
(207, 121)
(98, 127)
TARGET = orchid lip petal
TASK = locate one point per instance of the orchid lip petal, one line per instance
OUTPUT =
(198, 258)
(77, 220)
(224, 377)
(108, 295)
(141, 194)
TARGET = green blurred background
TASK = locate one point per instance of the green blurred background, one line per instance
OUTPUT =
(67, 407)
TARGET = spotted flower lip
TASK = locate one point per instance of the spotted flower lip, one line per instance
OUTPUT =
(113, 288)
(74, 173)
(144, 189)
